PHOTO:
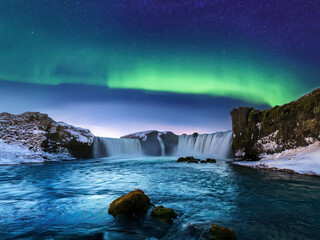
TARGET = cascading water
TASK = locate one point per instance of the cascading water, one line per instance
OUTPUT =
(114, 147)
(217, 145)
(162, 147)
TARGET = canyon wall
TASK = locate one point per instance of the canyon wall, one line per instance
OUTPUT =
(258, 133)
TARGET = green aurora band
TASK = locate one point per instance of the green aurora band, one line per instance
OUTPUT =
(60, 49)
(214, 77)
(178, 72)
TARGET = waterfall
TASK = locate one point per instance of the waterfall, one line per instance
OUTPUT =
(114, 147)
(162, 147)
(217, 145)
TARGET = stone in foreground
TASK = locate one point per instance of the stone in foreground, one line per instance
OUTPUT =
(166, 214)
(131, 204)
(222, 233)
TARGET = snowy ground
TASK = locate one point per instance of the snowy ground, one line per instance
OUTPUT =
(303, 160)
(19, 154)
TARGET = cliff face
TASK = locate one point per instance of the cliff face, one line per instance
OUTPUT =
(296, 124)
(38, 136)
(151, 142)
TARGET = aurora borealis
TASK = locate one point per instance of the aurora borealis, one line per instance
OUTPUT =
(260, 53)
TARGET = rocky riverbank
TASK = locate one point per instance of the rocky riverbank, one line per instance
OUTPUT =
(35, 137)
(283, 138)
(259, 133)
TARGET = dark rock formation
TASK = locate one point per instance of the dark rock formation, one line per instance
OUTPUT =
(292, 125)
(95, 236)
(150, 142)
(166, 214)
(210, 160)
(44, 137)
(170, 141)
(222, 233)
(131, 204)
(195, 160)
(188, 159)
(195, 134)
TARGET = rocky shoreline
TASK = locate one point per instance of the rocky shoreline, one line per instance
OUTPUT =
(260, 133)
(35, 137)
(284, 138)
(136, 204)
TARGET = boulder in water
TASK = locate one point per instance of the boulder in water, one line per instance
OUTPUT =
(195, 160)
(189, 159)
(166, 214)
(131, 204)
(222, 233)
(210, 160)
(96, 236)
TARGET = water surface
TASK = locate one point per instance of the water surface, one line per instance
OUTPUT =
(69, 200)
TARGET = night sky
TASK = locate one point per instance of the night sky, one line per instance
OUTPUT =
(123, 66)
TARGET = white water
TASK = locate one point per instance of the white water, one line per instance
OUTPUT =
(114, 147)
(216, 145)
(162, 147)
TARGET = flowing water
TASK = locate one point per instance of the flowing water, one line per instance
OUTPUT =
(69, 200)
(162, 147)
(214, 145)
(111, 147)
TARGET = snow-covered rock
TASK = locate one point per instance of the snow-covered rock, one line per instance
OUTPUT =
(292, 125)
(35, 137)
(303, 160)
(156, 143)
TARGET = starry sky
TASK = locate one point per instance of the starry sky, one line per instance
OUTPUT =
(122, 66)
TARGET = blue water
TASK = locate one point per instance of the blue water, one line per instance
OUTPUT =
(69, 200)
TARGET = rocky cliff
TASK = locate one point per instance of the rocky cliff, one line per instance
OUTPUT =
(257, 133)
(35, 136)
(151, 142)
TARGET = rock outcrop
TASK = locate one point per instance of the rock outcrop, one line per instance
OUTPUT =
(165, 214)
(257, 133)
(222, 233)
(131, 204)
(151, 142)
(191, 159)
(40, 137)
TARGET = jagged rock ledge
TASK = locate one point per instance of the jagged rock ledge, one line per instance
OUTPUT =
(284, 137)
(151, 142)
(35, 137)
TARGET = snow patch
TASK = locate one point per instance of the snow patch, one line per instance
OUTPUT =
(23, 137)
(143, 135)
(80, 134)
(303, 160)
(18, 154)
(269, 143)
